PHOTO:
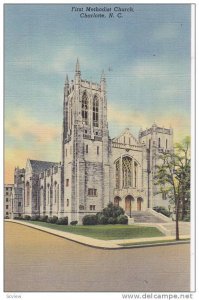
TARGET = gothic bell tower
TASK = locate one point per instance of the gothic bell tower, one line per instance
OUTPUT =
(85, 147)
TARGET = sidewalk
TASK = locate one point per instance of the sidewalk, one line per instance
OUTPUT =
(104, 244)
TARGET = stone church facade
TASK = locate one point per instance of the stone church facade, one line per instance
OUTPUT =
(95, 169)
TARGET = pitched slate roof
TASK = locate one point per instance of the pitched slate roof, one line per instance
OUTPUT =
(39, 166)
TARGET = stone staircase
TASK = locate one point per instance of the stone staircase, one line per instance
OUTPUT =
(145, 217)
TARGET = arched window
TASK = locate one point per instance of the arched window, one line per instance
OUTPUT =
(27, 193)
(126, 171)
(85, 108)
(95, 111)
(117, 173)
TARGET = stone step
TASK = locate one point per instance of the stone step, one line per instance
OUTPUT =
(145, 217)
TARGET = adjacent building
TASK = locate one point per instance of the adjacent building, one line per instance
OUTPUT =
(8, 200)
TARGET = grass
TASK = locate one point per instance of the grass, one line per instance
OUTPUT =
(106, 232)
(153, 242)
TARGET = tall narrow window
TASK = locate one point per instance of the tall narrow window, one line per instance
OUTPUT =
(97, 150)
(41, 196)
(86, 148)
(85, 108)
(117, 174)
(135, 174)
(166, 143)
(55, 194)
(27, 193)
(149, 143)
(95, 111)
(48, 193)
(126, 171)
(159, 144)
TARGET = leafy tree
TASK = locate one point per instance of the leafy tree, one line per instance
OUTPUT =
(173, 177)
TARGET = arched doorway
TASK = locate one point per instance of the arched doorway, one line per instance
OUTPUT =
(128, 204)
(139, 204)
(117, 200)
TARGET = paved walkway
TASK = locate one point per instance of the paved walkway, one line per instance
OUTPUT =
(105, 244)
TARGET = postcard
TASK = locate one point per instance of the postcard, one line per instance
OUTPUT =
(98, 135)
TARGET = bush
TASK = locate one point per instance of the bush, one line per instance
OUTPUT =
(101, 219)
(49, 220)
(73, 222)
(52, 220)
(17, 218)
(112, 220)
(62, 221)
(112, 211)
(27, 218)
(162, 210)
(34, 218)
(43, 218)
(122, 219)
(90, 220)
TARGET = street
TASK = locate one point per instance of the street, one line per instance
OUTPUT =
(38, 261)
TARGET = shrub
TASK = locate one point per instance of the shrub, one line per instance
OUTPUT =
(43, 218)
(101, 219)
(162, 210)
(112, 211)
(49, 220)
(90, 220)
(73, 222)
(52, 220)
(112, 220)
(122, 219)
(34, 218)
(27, 218)
(62, 221)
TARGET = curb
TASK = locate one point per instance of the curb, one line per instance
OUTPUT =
(118, 247)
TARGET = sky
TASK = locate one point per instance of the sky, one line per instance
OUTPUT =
(146, 56)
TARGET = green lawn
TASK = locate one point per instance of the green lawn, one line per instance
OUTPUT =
(106, 232)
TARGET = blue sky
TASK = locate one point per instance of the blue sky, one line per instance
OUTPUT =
(145, 55)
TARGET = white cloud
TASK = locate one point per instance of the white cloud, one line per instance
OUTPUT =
(166, 31)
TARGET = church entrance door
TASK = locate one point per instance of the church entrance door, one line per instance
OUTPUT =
(139, 204)
(128, 204)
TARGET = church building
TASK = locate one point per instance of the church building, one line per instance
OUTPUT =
(95, 169)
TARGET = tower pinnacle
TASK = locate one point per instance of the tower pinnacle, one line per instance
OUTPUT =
(103, 76)
(77, 70)
(66, 80)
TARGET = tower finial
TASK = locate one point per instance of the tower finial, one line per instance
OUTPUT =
(66, 80)
(103, 76)
(77, 70)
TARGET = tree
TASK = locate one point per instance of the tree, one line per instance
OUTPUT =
(173, 177)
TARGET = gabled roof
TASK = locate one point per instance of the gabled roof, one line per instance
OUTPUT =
(126, 132)
(39, 166)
